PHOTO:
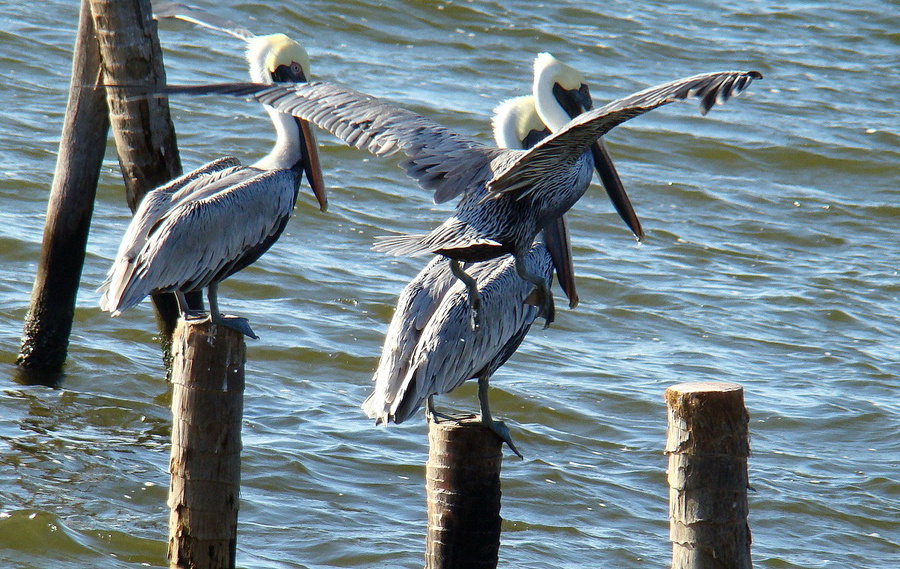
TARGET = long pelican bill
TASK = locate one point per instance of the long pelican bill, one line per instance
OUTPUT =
(311, 165)
(614, 188)
(578, 101)
(556, 240)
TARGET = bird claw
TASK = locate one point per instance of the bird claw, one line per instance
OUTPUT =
(475, 320)
(475, 306)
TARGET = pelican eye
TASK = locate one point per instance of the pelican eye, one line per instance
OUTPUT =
(585, 94)
(289, 73)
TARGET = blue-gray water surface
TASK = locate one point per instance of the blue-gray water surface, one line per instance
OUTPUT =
(771, 260)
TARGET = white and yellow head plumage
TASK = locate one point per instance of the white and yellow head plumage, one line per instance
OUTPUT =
(545, 65)
(266, 53)
(513, 120)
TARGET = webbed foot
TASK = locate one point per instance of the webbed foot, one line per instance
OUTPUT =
(502, 431)
(195, 316)
(237, 323)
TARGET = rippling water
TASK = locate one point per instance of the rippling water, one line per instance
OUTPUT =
(771, 260)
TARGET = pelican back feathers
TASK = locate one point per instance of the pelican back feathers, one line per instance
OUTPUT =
(415, 307)
(207, 236)
(449, 351)
(154, 205)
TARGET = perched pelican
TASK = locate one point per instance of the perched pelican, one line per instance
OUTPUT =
(508, 195)
(204, 226)
(429, 348)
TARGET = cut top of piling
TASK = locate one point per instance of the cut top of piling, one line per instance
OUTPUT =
(707, 418)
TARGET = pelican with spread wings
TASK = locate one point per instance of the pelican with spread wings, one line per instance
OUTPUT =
(507, 195)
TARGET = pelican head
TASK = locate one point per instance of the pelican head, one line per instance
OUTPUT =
(277, 58)
(516, 124)
(560, 92)
(560, 95)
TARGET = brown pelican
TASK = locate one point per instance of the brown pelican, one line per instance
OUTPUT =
(430, 349)
(208, 224)
(508, 195)
(517, 124)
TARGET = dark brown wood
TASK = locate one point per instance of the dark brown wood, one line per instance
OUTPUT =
(207, 408)
(462, 483)
(45, 338)
(142, 125)
(708, 445)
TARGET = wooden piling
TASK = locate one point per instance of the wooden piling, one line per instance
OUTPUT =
(116, 44)
(463, 489)
(45, 338)
(142, 125)
(207, 408)
(708, 445)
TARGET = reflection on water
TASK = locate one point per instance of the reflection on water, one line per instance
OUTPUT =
(771, 260)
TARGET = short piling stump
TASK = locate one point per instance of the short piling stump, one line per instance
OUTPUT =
(463, 489)
(708, 445)
(207, 408)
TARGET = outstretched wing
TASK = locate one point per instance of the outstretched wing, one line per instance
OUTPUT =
(568, 144)
(439, 159)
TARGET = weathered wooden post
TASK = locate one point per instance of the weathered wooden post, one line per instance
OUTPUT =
(142, 125)
(708, 445)
(207, 408)
(116, 44)
(45, 338)
(462, 483)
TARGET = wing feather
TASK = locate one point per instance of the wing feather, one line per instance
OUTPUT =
(365, 122)
(569, 143)
(449, 351)
(415, 307)
(154, 205)
(195, 240)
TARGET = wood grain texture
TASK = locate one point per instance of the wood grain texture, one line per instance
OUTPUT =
(45, 338)
(142, 124)
(708, 446)
(463, 489)
(207, 409)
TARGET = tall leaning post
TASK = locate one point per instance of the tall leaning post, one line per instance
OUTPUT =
(205, 466)
(462, 484)
(142, 125)
(708, 445)
(45, 337)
